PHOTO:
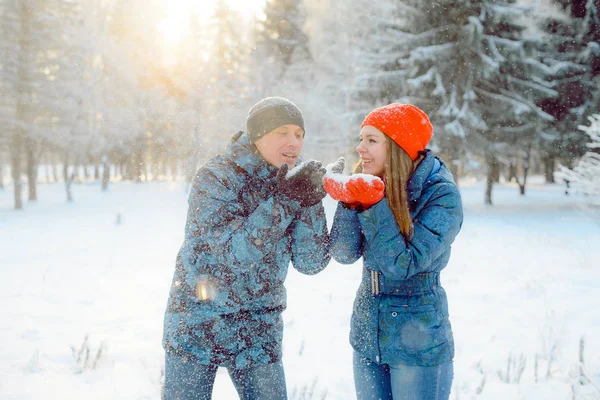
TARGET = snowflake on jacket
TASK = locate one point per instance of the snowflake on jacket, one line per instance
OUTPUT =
(228, 289)
(407, 323)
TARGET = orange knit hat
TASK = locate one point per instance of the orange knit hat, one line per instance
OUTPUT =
(405, 124)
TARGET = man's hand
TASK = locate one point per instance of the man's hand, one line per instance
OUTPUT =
(304, 183)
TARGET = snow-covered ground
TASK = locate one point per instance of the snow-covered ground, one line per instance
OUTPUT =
(523, 281)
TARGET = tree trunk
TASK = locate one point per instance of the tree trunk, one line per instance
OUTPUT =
(155, 168)
(492, 176)
(164, 167)
(157, 161)
(24, 97)
(451, 152)
(488, 190)
(15, 158)
(549, 166)
(68, 178)
(139, 166)
(526, 165)
(454, 170)
(1, 169)
(47, 171)
(86, 175)
(105, 173)
(173, 169)
(524, 185)
(54, 162)
(124, 170)
(512, 171)
(31, 169)
(128, 166)
(96, 171)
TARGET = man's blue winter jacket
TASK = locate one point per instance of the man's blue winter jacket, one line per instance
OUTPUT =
(228, 288)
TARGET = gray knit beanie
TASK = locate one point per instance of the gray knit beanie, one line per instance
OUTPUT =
(271, 113)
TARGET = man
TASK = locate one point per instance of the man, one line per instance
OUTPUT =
(247, 219)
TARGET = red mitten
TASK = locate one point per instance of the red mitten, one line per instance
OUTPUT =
(354, 190)
(365, 192)
(337, 187)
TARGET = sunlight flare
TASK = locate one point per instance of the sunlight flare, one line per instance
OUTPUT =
(178, 12)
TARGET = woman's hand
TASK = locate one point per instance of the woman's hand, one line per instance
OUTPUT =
(352, 190)
(366, 191)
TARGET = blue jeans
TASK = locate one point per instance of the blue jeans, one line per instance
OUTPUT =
(186, 379)
(401, 382)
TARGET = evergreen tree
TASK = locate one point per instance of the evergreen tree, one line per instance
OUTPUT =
(281, 36)
(187, 141)
(572, 50)
(585, 176)
(469, 65)
(10, 138)
(334, 29)
(29, 32)
(225, 78)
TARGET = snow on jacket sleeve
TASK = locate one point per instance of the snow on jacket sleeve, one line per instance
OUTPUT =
(310, 240)
(218, 220)
(435, 228)
(346, 236)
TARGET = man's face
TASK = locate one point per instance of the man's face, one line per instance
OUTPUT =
(281, 145)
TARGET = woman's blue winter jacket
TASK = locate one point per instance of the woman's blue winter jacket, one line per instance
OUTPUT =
(407, 322)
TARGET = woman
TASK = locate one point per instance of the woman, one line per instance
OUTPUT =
(402, 225)
(247, 220)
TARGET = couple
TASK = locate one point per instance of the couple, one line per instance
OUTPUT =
(255, 208)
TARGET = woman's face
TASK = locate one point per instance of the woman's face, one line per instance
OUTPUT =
(281, 145)
(372, 150)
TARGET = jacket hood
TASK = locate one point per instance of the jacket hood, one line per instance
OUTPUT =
(430, 170)
(242, 152)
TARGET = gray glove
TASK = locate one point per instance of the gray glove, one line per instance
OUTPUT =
(304, 183)
(337, 167)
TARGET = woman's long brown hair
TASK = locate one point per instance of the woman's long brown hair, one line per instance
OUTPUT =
(398, 170)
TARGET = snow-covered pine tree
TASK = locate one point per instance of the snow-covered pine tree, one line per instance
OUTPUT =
(585, 176)
(39, 74)
(334, 29)
(525, 78)
(109, 69)
(187, 141)
(9, 33)
(28, 36)
(572, 51)
(12, 80)
(90, 117)
(301, 52)
(47, 21)
(144, 108)
(280, 36)
(2, 163)
(226, 78)
(73, 120)
(123, 57)
(469, 66)
(281, 59)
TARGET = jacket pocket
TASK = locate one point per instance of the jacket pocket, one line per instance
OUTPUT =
(410, 328)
